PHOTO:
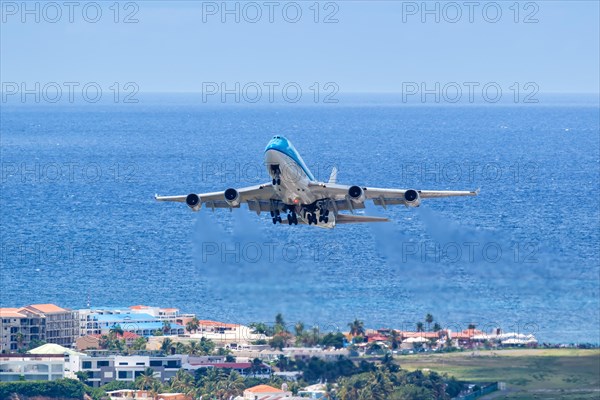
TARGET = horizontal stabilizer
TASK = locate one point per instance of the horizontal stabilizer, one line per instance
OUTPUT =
(353, 219)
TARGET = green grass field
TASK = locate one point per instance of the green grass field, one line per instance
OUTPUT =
(528, 373)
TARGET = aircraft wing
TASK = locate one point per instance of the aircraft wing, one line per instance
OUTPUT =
(380, 196)
(257, 197)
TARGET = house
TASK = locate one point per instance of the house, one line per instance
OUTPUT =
(138, 323)
(102, 369)
(37, 322)
(317, 391)
(265, 392)
(31, 367)
(94, 341)
(89, 321)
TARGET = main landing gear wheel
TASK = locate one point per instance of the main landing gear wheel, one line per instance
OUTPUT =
(324, 217)
(275, 216)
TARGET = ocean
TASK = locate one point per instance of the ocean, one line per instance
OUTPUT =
(80, 225)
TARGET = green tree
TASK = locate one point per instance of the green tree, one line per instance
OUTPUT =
(230, 387)
(394, 339)
(20, 338)
(256, 367)
(357, 328)
(166, 328)
(259, 328)
(207, 346)
(333, 340)
(139, 343)
(436, 327)
(192, 325)
(282, 362)
(166, 345)
(115, 331)
(182, 382)
(279, 324)
(82, 376)
(299, 328)
(146, 380)
(279, 341)
(420, 327)
(429, 320)
(181, 348)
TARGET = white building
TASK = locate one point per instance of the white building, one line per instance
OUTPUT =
(31, 367)
(106, 368)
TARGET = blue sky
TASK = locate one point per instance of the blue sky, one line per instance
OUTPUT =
(369, 49)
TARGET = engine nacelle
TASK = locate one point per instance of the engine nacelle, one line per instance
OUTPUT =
(356, 194)
(193, 201)
(232, 197)
(412, 198)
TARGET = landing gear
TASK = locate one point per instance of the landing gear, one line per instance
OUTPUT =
(311, 218)
(324, 216)
(275, 217)
(276, 174)
(311, 211)
(292, 218)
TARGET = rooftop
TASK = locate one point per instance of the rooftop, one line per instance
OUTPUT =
(47, 308)
(124, 317)
(264, 389)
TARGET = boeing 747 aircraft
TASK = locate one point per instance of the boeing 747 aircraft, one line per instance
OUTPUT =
(296, 193)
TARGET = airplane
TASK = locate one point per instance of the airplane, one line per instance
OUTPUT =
(295, 192)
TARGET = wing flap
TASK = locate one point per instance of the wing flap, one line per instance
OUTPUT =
(354, 219)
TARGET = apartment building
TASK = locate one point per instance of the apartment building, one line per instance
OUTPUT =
(31, 367)
(37, 322)
(102, 369)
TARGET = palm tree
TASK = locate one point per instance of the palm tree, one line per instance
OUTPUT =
(139, 343)
(180, 348)
(357, 328)
(256, 366)
(166, 345)
(437, 327)
(380, 386)
(279, 324)
(429, 320)
(282, 362)
(146, 380)
(299, 328)
(419, 327)
(182, 381)
(115, 331)
(231, 387)
(193, 348)
(394, 338)
(192, 325)
(166, 328)
(259, 328)
(206, 346)
(20, 339)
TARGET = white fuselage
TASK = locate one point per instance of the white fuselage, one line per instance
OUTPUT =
(291, 177)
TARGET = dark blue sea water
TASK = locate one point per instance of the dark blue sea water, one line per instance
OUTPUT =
(79, 222)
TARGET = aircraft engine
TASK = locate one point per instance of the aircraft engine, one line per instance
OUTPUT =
(412, 198)
(193, 201)
(356, 194)
(232, 197)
